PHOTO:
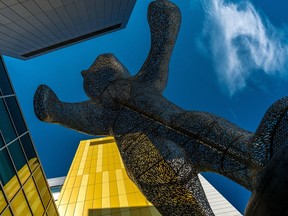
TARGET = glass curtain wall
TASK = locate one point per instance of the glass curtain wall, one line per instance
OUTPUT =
(23, 187)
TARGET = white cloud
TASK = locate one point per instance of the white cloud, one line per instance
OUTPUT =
(241, 42)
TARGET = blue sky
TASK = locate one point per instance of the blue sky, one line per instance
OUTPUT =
(230, 59)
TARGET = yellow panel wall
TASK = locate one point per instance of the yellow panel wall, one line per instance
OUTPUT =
(97, 184)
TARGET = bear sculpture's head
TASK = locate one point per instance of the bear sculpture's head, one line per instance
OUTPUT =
(102, 72)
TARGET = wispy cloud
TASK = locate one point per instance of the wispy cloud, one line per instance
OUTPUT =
(241, 42)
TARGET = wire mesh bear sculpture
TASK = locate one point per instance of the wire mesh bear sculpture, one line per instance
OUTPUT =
(163, 146)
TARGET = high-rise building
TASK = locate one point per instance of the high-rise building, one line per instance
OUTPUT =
(97, 184)
(23, 186)
(29, 28)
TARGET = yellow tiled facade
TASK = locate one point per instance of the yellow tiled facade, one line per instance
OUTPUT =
(97, 184)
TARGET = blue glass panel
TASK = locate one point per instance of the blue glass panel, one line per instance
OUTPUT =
(5, 85)
(6, 168)
(16, 115)
(17, 155)
(6, 126)
(2, 143)
(29, 151)
(55, 189)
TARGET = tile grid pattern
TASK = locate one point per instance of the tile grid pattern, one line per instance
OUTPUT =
(26, 26)
(97, 184)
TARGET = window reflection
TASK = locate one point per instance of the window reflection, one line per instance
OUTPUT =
(5, 124)
(29, 152)
(2, 143)
(5, 86)
(19, 205)
(7, 212)
(52, 209)
(33, 197)
(19, 161)
(56, 189)
(7, 175)
(16, 114)
(42, 186)
(3, 202)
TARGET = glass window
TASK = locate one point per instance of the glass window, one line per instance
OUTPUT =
(42, 186)
(17, 155)
(19, 205)
(3, 202)
(5, 123)
(8, 175)
(55, 189)
(5, 86)
(2, 143)
(33, 197)
(29, 151)
(7, 212)
(52, 211)
(19, 160)
(16, 114)
(6, 167)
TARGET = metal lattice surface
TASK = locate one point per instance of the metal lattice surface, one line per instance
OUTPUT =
(163, 146)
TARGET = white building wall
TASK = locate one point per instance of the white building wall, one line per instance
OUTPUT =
(56, 183)
(219, 205)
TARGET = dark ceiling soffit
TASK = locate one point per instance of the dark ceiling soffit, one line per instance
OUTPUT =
(71, 41)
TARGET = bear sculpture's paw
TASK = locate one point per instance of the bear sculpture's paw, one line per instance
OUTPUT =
(45, 100)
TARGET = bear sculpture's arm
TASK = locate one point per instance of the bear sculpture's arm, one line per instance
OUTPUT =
(164, 20)
(77, 116)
